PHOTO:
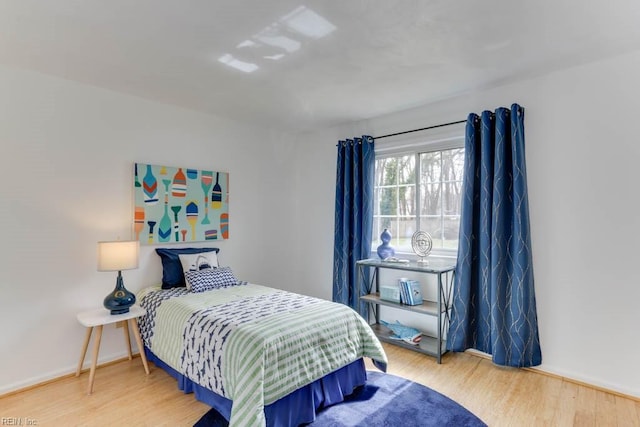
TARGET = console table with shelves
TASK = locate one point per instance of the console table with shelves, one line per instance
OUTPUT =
(443, 268)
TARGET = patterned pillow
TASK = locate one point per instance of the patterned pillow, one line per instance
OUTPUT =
(210, 278)
(199, 261)
(172, 272)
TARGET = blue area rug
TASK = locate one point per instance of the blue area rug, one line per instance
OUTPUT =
(386, 400)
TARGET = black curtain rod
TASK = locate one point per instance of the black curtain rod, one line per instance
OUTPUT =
(418, 130)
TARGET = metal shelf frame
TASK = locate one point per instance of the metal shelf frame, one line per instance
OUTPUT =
(443, 268)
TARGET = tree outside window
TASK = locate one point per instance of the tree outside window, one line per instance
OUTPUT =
(419, 191)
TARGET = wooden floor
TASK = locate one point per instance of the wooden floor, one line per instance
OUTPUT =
(124, 396)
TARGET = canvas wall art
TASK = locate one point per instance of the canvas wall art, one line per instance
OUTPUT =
(179, 204)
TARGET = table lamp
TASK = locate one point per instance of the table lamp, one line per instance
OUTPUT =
(118, 256)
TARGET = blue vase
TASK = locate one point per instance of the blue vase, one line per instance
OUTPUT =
(385, 250)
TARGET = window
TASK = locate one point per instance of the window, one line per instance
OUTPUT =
(419, 191)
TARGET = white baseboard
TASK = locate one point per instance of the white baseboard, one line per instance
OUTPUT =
(575, 378)
(54, 375)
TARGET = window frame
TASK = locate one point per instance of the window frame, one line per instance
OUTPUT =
(415, 145)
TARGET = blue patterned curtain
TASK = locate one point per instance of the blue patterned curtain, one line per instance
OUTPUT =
(354, 217)
(494, 305)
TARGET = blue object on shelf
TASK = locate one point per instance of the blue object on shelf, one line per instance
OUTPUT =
(404, 333)
(385, 250)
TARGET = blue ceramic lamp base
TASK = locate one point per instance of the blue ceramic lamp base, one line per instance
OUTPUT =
(119, 301)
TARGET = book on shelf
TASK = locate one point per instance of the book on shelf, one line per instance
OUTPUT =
(410, 292)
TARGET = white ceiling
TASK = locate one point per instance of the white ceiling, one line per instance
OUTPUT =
(379, 56)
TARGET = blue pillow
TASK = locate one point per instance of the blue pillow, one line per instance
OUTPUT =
(172, 273)
(210, 278)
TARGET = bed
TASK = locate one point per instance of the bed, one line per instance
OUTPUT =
(258, 355)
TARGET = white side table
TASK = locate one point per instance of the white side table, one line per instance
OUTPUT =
(100, 317)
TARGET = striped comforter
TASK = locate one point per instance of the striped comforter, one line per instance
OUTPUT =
(253, 344)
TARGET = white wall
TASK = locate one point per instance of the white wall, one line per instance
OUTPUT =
(582, 160)
(66, 166)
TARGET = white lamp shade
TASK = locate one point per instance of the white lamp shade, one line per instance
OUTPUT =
(118, 255)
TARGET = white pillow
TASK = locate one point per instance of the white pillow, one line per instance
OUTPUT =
(194, 262)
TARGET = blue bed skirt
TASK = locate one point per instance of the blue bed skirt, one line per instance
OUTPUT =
(298, 407)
